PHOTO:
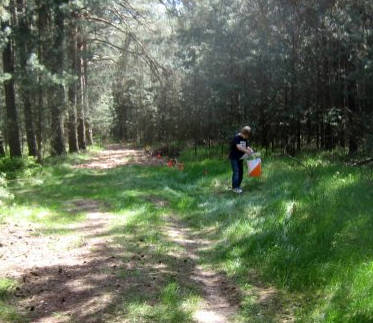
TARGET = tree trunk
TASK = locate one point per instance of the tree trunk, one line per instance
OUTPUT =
(89, 133)
(30, 132)
(40, 124)
(2, 150)
(80, 94)
(25, 86)
(39, 127)
(72, 122)
(57, 138)
(72, 128)
(88, 128)
(10, 101)
(352, 126)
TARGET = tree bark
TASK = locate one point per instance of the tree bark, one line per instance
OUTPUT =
(2, 150)
(10, 100)
(88, 128)
(72, 122)
(80, 93)
(89, 133)
(57, 137)
(23, 44)
(42, 24)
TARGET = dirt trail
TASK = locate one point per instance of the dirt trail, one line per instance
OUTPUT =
(68, 276)
(221, 298)
(60, 277)
(116, 155)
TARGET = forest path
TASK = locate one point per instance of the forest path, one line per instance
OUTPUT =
(117, 155)
(86, 273)
(220, 297)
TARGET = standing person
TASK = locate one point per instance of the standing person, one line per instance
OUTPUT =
(239, 147)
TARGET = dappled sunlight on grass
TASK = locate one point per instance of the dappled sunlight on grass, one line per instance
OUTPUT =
(301, 233)
(40, 215)
(174, 307)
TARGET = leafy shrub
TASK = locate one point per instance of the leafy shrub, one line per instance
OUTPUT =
(15, 167)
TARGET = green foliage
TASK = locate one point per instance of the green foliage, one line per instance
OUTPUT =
(7, 312)
(7, 287)
(37, 69)
(16, 167)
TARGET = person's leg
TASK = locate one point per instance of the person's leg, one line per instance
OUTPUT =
(240, 172)
(235, 174)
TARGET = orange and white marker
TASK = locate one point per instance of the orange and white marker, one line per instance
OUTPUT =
(255, 167)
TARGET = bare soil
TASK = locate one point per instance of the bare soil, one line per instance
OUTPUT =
(117, 155)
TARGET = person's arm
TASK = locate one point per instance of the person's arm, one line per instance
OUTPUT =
(247, 150)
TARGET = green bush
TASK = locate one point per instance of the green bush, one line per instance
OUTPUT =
(15, 167)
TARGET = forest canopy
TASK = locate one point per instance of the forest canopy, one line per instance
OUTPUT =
(300, 73)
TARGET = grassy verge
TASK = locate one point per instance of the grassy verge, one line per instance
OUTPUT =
(308, 236)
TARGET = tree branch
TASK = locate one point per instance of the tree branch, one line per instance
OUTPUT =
(363, 162)
(106, 42)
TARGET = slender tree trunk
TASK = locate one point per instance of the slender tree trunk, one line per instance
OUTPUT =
(58, 140)
(89, 133)
(80, 94)
(352, 126)
(73, 134)
(10, 100)
(40, 124)
(263, 128)
(30, 132)
(25, 86)
(72, 92)
(88, 128)
(2, 150)
(39, 127)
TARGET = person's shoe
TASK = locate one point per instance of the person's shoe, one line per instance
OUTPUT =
(237, 190)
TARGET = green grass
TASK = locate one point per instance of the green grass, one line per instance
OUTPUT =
(7, 311)
(308, 234)
(310, 237)
(174, 305)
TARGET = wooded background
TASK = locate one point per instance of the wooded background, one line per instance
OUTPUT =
(192, 71)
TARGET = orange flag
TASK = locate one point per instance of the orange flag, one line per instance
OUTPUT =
(255, 167)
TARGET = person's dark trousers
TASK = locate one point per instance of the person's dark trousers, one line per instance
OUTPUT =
(237, 168)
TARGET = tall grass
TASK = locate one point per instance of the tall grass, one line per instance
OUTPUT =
(307, 235)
